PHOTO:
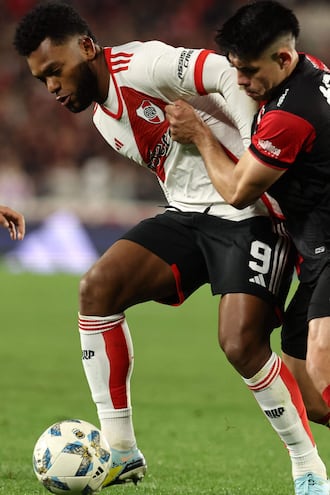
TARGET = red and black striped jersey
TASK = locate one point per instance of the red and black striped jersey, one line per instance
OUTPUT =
(292, 131)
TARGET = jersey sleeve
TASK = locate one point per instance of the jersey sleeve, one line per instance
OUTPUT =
(184, 73)
(280, 137)
(239, 107)
(178, 71)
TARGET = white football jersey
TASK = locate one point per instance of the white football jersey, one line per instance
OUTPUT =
(144, 77)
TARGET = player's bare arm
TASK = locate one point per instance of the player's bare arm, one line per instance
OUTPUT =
(239, 184)
(13, 221)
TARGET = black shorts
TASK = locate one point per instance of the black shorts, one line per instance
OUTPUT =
(308, 302)
(249, 256)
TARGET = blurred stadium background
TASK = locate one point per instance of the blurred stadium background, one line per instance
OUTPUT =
(77, 194)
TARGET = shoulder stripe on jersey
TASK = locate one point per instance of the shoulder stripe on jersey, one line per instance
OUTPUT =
(109, 60)
(117, 62)
(316, 62)
(120, 54)
(120, 69)
(198, 75)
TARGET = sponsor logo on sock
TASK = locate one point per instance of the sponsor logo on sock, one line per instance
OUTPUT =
(87, 354)
(275, 413)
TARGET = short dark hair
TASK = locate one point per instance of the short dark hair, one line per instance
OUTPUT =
(254, 27)
(55, 20)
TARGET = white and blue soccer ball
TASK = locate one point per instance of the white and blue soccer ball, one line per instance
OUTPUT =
(71, 457)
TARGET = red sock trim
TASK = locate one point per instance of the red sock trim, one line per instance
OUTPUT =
(296, 397)
(119, 359)
(97, 324)
(268, 380)
(326, 395)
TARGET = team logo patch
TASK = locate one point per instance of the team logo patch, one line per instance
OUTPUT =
(150, 112)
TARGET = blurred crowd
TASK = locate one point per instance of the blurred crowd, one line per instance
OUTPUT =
(47, 152)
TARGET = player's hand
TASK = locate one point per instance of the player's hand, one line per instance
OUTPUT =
(13, 221)
(185, 123)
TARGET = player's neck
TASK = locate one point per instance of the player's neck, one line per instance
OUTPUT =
(294, 62)
(102, 75)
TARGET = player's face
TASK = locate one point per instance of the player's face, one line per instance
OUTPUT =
(258, 77)
(66, 73)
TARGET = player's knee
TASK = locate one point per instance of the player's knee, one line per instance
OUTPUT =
(245, 350)
(96, 291)
(90, 284)
(314, 351)
(236, 353)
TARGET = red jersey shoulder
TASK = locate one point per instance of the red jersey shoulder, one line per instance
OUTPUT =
(318, 64)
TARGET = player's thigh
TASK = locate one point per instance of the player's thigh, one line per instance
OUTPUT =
(126, 274)
(245, 322)
(171, 236)
(250, 266)
(319, 335)
(249, 276)
(158, 259)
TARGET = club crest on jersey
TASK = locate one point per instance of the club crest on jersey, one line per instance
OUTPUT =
(150, 112)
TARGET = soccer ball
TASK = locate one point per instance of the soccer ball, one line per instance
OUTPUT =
(71, 457)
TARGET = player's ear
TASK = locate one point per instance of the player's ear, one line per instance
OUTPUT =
(283, 58)
(88, 47)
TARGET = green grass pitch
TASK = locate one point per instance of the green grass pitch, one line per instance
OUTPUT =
(199, 428)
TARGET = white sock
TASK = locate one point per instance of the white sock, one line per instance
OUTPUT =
(278, 395)
(108, 364)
